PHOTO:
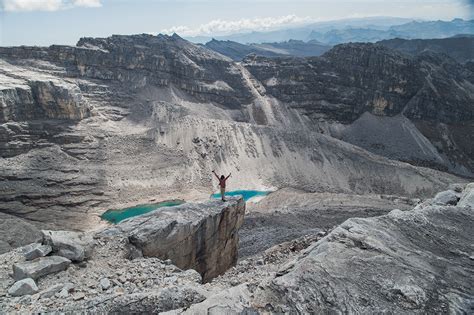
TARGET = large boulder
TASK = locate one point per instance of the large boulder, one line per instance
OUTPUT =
(40, 267)
(75, 246)
(16, 232)
(200, 236)
(404, 262)
(23, 287)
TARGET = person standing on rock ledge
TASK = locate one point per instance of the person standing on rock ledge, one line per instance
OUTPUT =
(222, 181)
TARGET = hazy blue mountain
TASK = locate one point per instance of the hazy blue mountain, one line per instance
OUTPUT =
(412, 30)
(302, 32)
(337, 36)
(434, 29)
(356, 30)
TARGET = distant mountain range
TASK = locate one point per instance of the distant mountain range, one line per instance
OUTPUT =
(355, 30)
(298, 48)
(460, 48)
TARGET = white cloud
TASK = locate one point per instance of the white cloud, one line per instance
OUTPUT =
(46, 5)
(222, 27)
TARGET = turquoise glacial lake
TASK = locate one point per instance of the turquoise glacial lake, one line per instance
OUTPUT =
(115, 216)
(246, 194)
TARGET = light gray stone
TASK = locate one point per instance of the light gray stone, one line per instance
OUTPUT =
(105, 284)
(444, 198)
(37, 250)
(40, 267)
(23, 287)
(75, 246)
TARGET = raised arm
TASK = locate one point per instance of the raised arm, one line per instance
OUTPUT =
(214, 172)
(228, 176)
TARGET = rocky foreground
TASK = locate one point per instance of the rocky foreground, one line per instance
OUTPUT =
(418, 261)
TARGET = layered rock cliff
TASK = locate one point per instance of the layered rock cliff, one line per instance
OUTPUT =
(334, 91)
(32, 96)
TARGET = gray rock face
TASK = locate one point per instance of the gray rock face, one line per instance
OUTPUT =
(352, 79)
(75, 246)
(444, 198)
(26, 97)
(37, 250)
(202, 236)
(385, 263)
(40, 267)
(23, 287)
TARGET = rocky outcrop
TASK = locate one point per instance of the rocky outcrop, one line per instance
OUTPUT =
(201, 236)
(31, 96)
(387, 262)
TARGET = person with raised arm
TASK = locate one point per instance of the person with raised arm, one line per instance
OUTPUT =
(222, 180)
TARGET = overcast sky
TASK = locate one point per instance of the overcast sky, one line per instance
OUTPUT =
(45, 22)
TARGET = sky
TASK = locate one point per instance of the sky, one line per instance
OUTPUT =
(46, 22)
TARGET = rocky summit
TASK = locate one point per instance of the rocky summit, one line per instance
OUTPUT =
(360, 157)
